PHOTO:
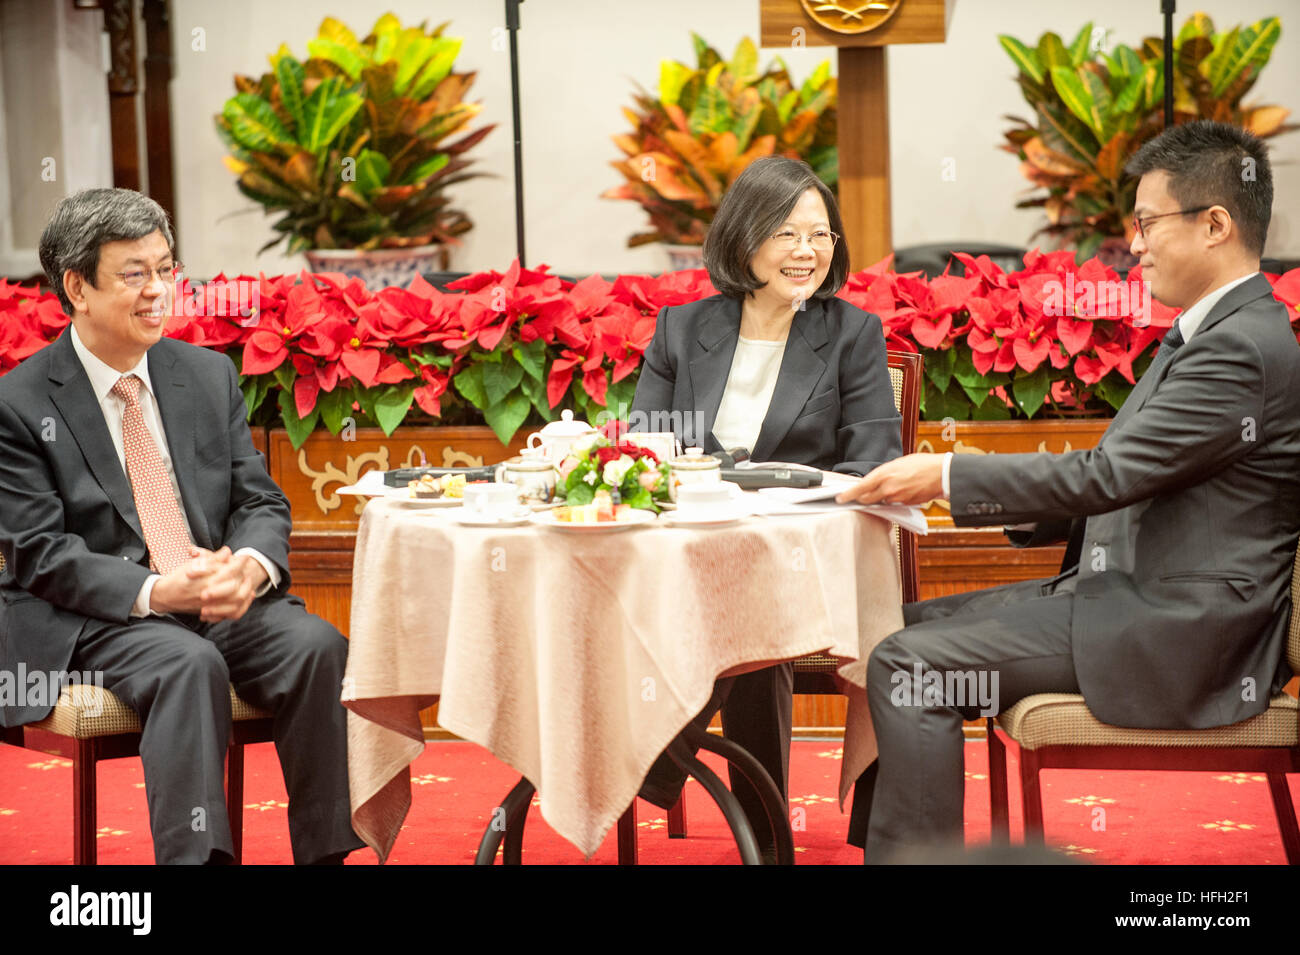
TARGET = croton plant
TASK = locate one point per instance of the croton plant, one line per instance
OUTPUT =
(352, 146)
(1094, 107)
(708, 124)
(514, 348)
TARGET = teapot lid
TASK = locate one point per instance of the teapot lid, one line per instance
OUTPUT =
(566, 427)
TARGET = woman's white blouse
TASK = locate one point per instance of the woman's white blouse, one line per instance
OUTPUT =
(748, 392)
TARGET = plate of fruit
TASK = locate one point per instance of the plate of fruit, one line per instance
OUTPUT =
(602, 514)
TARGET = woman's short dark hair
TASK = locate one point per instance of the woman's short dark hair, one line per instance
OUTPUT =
(86, 220)
(755, 206)
(1214, 164)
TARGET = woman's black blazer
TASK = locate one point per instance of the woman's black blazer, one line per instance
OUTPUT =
(833, 407)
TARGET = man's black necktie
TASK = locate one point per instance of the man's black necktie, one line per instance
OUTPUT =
(1168, 345)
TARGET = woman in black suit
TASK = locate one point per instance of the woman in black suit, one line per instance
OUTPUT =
(777, 364)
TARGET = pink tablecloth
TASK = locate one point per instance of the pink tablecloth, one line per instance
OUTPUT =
(576, 656)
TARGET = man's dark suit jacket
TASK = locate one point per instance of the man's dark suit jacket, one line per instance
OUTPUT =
(69, 532)
(833, 406)
(1186, 516)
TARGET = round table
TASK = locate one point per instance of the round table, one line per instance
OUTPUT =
(577, 655)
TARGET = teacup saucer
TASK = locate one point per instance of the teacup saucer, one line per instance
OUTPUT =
(522, 515)
(712, 517)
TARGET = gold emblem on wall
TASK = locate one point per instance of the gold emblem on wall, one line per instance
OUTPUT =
(850, 16)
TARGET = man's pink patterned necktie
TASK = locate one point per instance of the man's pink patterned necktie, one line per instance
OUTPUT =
(165, 532)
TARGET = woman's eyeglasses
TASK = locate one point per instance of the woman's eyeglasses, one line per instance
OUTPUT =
(787, 240)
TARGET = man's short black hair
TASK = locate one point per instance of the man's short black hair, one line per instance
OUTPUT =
(755, 206)
(1215, 164)
(84, 221)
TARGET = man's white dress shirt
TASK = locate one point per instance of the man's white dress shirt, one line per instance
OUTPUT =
(102, 379)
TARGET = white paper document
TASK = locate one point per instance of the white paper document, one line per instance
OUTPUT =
(801, 500)
(370, 484)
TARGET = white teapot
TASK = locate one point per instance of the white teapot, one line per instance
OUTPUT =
(554, 442)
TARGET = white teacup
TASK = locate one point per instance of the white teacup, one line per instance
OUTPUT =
(491, 502)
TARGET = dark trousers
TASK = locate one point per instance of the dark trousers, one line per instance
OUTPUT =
(758, 714)
(1004, 643)
(176, 673)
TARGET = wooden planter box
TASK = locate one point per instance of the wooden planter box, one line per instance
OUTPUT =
(954, 560)
(325, 522)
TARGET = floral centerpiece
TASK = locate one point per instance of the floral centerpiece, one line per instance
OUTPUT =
(612, 462)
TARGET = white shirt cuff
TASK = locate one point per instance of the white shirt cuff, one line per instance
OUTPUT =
(947, 464)
(141, 607)
(272, 572)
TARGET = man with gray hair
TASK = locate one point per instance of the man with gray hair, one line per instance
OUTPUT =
(143, 539)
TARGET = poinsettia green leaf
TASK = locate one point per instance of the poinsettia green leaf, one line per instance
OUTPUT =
(939, 365)
(992, 410)
(298, 429)
(950, 403)
(535, 390)
(505, 417)
(334, 406)
(500, 379)
(469, 383)
(391, 406)
(532, 358)
(1114, 390)
(254, 388)
(1030, 391)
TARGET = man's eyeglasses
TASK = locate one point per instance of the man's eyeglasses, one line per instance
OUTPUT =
(1141, 224)
(139, 278)
(787, 240)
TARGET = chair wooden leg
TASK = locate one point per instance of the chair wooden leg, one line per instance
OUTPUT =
(627, 836)
(1284, 809)
(1031, 797)
(677, 818)
(235, 798)
(83, 802)
(998, 804)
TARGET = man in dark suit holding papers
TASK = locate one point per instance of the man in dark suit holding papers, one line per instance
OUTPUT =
(1172, 607)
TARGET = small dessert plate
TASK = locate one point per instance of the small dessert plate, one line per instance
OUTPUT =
(401, 495)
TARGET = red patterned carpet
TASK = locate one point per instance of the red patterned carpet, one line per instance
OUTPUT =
(1110, 818)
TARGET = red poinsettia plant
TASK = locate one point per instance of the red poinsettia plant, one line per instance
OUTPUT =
(515, 348)
(996, 344)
